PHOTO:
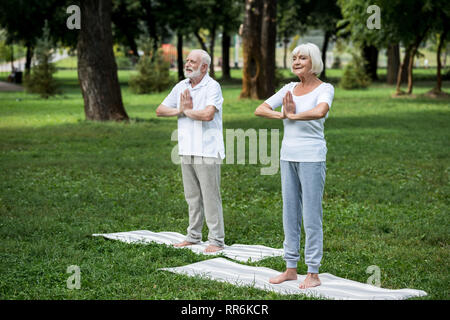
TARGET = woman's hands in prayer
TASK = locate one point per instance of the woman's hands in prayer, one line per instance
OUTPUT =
(288, 105)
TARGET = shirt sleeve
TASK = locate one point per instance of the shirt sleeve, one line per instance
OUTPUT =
(214, 96)
(171, 100)
(277, 99)
(326, 95)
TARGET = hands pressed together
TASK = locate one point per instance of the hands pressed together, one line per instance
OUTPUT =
(288, 106)
(185, 102)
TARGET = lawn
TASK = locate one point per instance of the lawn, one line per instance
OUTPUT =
(386, 200)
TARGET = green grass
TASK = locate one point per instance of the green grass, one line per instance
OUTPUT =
(63, 178)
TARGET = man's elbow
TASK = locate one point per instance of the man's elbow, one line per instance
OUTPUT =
(158, 112)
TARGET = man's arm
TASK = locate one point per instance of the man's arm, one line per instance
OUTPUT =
(206, 114)
(165, 111)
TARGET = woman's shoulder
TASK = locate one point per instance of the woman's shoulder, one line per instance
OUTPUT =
(325, 86)
(289, 86)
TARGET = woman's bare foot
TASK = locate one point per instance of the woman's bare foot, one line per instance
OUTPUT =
(183, 244)
(312, 280)
(289, 274)
(213, 248)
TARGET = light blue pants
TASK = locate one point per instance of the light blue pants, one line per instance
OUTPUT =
(302, 186)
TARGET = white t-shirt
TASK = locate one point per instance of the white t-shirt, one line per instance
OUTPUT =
(196, 137)
(303, 141)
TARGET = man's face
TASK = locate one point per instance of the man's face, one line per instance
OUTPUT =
(193, 66)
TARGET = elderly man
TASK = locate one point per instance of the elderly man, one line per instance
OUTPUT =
(197, 102)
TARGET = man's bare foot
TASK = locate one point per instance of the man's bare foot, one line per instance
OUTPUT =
(183, 244)
(213, 248)
(312, 280)
(289, 274)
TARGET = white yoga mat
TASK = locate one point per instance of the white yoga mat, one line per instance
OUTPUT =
(332, 287)
(240, 252)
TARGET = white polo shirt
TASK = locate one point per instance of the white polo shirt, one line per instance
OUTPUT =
(196, 137)
(304, 141)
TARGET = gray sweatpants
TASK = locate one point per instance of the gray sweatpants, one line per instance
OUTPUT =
(302, 189)
(201, 181)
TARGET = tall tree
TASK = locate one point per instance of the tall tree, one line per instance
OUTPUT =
(13, 15)
(125, 17)
(289, 22)
(324, 15)
(259, 40)
(231, 19)
(97, 69)
(441, 28)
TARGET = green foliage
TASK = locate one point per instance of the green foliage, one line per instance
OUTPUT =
(336, 63)
(153, 72)
(354, 76)
(41, 79)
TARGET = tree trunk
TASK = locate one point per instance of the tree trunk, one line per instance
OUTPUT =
(29, 56)
(211, 51)
(12, 57)
(258, 43)
(268, 48)
(200, 41)
(251, 46)
(415, 47)
(370, 55)
(180, 60)
(410, 68)
(226, 41)
(285, 49)
(403, 69)
(326, 40)
(97, 69)
(438, 88)
(151, 23)
(393, 63)
(405, 65)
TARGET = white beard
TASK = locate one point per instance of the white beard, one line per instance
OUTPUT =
(192, 74)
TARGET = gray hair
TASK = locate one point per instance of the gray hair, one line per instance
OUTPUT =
(313, 51)
(205, 57)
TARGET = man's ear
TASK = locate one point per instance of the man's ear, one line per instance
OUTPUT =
(204, 67)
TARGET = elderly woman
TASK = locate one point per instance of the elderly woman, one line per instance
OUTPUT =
(305, 105)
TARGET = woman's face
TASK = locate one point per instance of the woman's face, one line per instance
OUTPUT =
(301, 64)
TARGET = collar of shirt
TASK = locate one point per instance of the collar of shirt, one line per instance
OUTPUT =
(202, 83)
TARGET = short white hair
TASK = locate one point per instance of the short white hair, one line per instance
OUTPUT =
(313, 51)
(205, 58)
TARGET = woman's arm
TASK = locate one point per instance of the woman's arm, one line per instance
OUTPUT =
(265, 111)
(315, 113)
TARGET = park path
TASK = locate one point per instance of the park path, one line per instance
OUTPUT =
(20, 63)
(6, 86)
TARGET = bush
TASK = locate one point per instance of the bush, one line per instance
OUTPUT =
(153, 72)
(41, 79)
(124, 63)
(336, 63)
(354, 76)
